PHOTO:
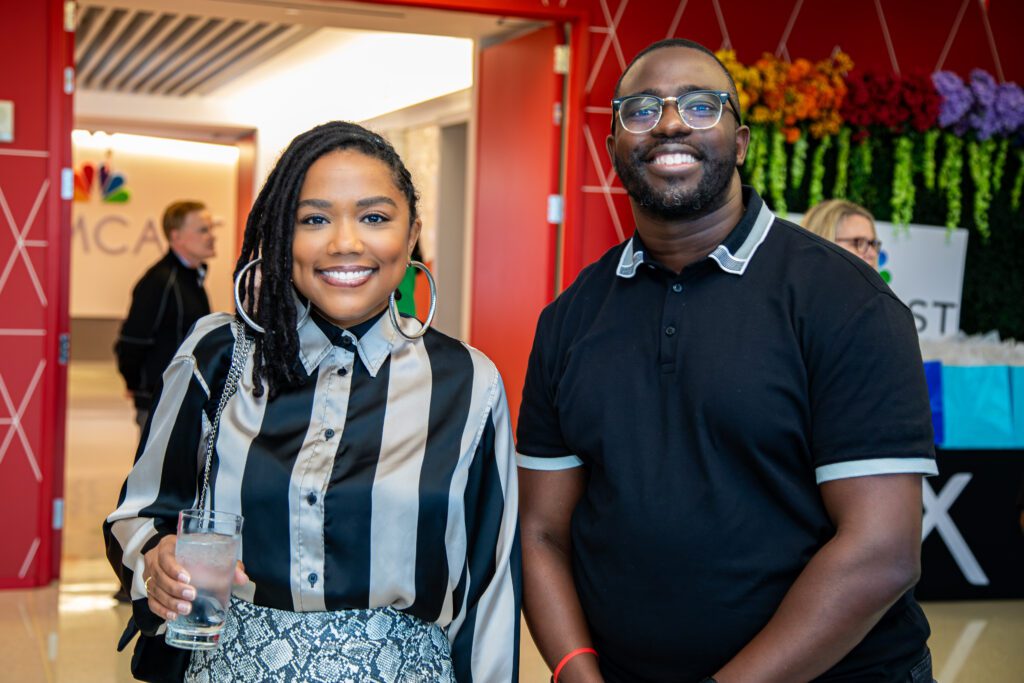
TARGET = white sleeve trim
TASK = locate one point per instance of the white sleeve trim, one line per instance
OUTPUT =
(531, 462)
(867, 468)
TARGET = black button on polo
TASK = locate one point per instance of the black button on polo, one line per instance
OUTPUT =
(670, 330)
(677, 288)
(346, 342)
(342, 371)
(311, 498)
(312, 579)
(329, 434)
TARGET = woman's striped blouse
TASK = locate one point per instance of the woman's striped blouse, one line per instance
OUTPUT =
(387, 479)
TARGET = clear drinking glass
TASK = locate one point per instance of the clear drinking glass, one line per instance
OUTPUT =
(207, 548)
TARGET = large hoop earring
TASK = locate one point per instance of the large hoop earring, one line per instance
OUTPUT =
(240, 309)
(393, 307)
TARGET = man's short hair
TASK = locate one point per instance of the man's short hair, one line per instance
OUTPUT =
(175, 214)
(692, 45)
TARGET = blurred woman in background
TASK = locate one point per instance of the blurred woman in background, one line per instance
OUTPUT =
(849, 225)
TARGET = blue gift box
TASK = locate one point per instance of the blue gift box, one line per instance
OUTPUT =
(933, 375)
(978, 407)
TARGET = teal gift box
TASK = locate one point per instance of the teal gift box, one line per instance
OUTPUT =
(1017, 403)
(978, 406)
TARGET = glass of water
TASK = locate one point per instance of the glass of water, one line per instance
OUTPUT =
(207, 547)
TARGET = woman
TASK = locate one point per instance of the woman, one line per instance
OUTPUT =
(375, 469)
(849, 225)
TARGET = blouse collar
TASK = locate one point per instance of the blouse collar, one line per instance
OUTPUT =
(373, 348)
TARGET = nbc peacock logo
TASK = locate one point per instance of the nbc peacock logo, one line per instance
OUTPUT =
(883, 260)
(111, 183)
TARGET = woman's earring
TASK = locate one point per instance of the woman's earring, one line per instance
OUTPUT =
(240, 309)
(393, 308)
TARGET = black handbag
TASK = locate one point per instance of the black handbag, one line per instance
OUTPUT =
(153, 660)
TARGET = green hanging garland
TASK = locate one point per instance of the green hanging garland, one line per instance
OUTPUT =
(903, 190)
(842, 164)
(979, 155)
(777, 172)
(798, 164)
(999, 165)
(863, 158)
(950, 178)
(931, 142)
(757, 158)
(1018, 182)
(817, 190)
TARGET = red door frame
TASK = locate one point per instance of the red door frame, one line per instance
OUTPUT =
(578, 21)
(61, 119)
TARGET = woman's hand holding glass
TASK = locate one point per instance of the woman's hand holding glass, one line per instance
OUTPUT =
(167, 582)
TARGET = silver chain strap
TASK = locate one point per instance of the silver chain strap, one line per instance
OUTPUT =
(239, 354)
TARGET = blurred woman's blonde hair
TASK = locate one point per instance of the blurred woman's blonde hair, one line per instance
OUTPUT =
(824, 217)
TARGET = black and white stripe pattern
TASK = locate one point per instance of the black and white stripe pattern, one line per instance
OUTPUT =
(387, 479)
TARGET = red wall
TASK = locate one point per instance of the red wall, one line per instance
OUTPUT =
(33, 291)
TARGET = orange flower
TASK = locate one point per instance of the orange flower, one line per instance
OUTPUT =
(794, 96)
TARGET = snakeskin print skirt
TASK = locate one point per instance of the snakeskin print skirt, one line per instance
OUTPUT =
(383, 645)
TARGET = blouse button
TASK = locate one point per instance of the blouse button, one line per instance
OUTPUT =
(346, 342)
(669, 331)
(677, 288)
(342, 371)
(312, 579)
(311, 498)
(329, 434)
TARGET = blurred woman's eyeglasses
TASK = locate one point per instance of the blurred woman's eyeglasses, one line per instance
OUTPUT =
(861, 244)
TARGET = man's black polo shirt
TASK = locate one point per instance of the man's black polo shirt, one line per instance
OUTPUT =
(707, 407)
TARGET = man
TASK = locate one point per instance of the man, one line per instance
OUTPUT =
(165, 303)
(723, 428)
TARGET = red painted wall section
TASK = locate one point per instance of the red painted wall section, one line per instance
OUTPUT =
(33, 298)
(888, 34)
(513, 271)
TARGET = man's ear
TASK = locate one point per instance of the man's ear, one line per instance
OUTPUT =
(742, 142)
(609, 144)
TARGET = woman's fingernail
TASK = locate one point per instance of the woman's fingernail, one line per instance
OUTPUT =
(189, 594)
(184, 578)
(171, 616)
(184, 607)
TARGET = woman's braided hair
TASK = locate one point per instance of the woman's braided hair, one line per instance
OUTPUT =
(268, 235)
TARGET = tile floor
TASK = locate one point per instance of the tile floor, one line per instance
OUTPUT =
(66, 632)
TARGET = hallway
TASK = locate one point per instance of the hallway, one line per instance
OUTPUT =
(66, 632)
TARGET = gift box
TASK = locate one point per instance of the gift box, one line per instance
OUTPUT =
(978, 407)
(933, 375)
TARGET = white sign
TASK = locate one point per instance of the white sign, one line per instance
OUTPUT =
(924, 266)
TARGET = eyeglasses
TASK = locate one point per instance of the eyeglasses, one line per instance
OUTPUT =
(861, 244)
(699, 109)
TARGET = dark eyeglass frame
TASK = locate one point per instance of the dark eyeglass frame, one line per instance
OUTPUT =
(876, 243)
(723, 97)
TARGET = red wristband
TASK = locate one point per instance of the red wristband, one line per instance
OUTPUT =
(565, 659)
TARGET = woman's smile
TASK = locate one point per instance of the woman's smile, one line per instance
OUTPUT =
(346, 276)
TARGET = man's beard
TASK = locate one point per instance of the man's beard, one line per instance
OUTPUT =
(676, 203)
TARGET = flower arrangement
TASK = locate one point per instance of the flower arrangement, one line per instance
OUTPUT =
(863, 127)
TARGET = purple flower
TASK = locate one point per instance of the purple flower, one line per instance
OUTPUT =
(983, 118)
(1009, 108)
(957, 100)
